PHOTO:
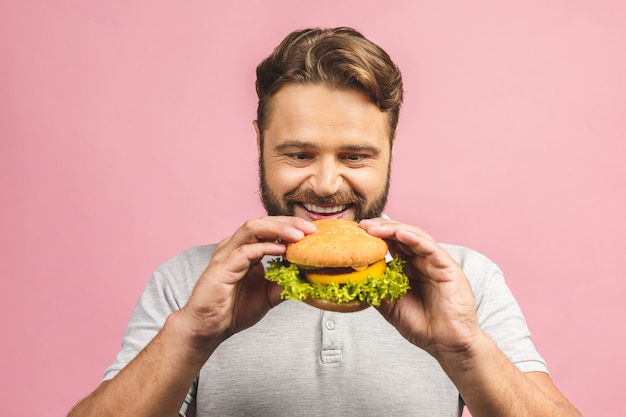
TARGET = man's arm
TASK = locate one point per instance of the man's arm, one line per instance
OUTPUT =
(155, 383)
(231, 295)
(491, 385)
(439, 315)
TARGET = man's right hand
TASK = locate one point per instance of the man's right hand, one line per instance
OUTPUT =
(232, 294)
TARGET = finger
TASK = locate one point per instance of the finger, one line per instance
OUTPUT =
(238, 260)
(255, 239)
(272, 228)
(267, 229)
(412, 241)
(273, 294)
(390, 226)
(257, 284)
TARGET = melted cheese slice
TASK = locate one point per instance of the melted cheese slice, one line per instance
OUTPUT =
(376, 269)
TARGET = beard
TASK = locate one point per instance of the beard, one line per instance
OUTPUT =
(363, 209)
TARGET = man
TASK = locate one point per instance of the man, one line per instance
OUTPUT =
(328, 109)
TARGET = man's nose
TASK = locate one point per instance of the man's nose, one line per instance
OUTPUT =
(327, 178)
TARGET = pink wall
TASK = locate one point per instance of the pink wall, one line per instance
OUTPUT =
(126, 136)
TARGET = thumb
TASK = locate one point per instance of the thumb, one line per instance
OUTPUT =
(273, 294)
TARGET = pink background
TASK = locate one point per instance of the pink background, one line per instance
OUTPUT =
(126, 137)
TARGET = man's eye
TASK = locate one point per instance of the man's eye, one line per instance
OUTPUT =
(354, 157)
(300, 156)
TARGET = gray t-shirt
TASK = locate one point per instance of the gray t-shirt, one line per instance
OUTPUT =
(301, 361)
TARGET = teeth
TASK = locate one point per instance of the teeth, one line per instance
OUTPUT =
(323, 210)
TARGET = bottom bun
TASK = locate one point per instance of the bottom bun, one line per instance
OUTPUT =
(349, 307)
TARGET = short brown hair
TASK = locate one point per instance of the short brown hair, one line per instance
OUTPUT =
(338, 58)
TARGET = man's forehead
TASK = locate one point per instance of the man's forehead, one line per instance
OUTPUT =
(319, 107)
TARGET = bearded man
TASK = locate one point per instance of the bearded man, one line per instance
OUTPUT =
(211, 336)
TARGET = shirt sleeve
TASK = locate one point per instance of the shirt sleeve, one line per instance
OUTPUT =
(167, 291)
(499, 313)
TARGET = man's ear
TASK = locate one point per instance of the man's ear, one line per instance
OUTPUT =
(258, 136)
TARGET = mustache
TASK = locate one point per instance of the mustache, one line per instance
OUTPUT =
(343, 197)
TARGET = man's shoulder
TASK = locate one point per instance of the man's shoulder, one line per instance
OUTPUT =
(466, 256)
(201, 253)
(187, 265)
(478, 268)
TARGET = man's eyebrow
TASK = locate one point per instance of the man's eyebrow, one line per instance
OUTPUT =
(297, 144)
(374, 150)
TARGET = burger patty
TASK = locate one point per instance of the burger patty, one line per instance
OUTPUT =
(327, 271)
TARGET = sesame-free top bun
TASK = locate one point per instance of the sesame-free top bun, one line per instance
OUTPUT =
(337, 243)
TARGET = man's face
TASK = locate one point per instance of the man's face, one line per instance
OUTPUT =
(324, 154)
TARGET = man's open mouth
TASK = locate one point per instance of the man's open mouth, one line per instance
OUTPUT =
(324, 209)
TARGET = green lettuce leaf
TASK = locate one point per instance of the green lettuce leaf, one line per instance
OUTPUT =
(391, 286)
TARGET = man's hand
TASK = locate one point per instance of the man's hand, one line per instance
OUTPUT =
(232, 293)
(438, 314)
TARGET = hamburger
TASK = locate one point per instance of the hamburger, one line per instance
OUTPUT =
(340, 268)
